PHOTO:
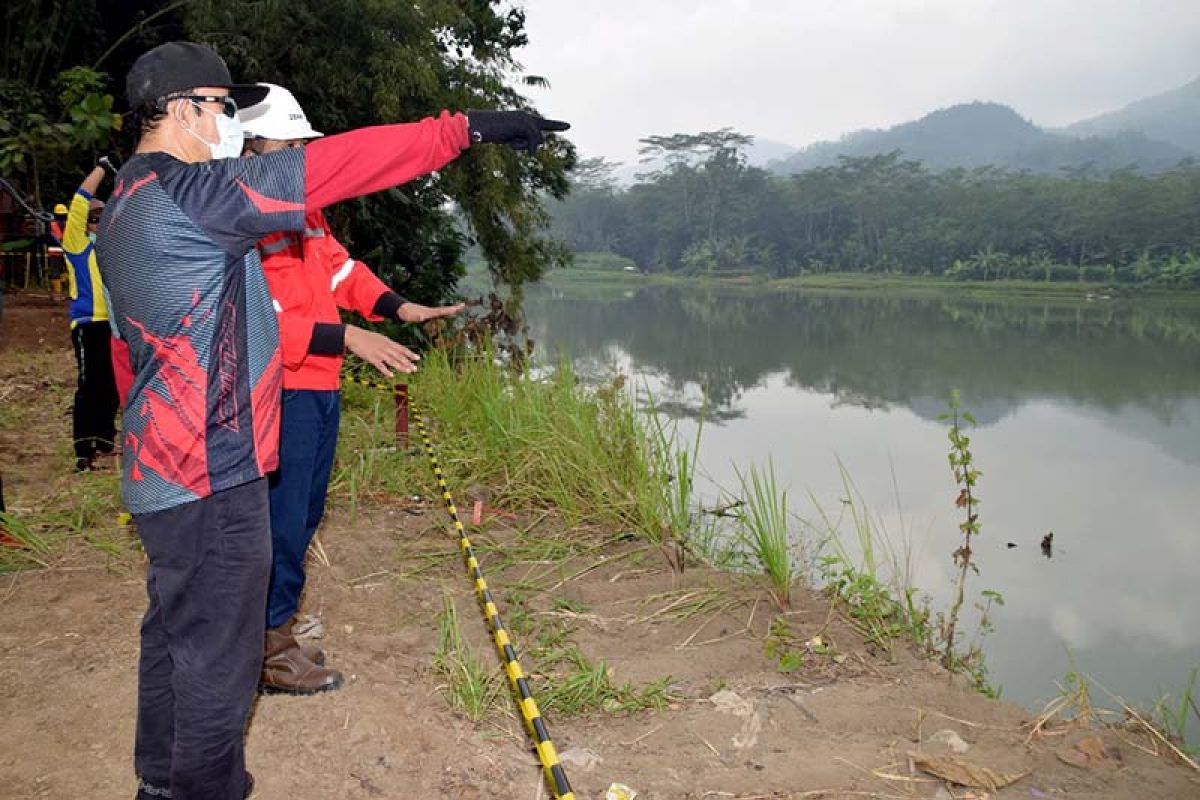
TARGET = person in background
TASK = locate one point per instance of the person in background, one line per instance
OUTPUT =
(93, 426)
(55, 261)
(311, 276)
(201, 422)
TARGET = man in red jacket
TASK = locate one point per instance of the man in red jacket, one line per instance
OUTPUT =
(177, 252)
(310, 276)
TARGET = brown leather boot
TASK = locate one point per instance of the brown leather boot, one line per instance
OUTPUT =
(307, 649)
(287, 671)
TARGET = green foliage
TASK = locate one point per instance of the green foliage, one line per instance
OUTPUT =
(573, 684)
(962, 465)
(704, 211)
(538, 442)
(55, 119)
(868, 575)
(1176, 718)
(665, 491)
(763, 527)
(780, 646)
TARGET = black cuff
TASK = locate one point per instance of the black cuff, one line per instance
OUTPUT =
(328, 339)
(387, 305)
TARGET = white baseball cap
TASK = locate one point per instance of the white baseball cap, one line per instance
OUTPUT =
(278, 116)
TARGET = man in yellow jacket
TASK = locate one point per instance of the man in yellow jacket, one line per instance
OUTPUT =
(96, 392)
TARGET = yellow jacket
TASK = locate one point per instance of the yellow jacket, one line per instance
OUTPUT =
(87, 291)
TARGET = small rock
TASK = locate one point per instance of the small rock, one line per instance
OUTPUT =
(950, 739)
(731, 702)
(581, 757)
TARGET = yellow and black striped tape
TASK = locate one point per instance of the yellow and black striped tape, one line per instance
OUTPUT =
(556, 776)
(350, 376)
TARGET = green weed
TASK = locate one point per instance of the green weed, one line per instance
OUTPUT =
(1175, 717)
(573, 684)
(471, 687)
(874, 583)
(962, 464)
(763, 522)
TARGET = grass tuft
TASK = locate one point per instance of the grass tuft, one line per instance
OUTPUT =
(763, 523)
(470, 686)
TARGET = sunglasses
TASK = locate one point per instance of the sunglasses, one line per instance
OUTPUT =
(93, 219)
(228, 104)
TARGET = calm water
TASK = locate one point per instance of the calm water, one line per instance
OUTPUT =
(1089, 426)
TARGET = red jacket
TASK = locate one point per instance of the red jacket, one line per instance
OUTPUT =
(311, 276)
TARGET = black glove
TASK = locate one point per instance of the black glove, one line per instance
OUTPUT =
(108, 165)
(517, 129)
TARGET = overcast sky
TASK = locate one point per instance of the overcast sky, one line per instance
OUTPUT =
(799, 71)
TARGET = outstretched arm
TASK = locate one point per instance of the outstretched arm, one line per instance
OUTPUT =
(370, 159)
(75, 234)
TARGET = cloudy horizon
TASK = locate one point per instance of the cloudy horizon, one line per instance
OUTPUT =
(802, 71)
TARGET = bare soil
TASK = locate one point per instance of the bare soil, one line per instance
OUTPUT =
(840, 726)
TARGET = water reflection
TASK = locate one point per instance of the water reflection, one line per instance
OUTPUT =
(1089, 426)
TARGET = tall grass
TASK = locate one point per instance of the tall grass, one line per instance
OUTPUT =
(666, 491)
(868, 571)
(763, 525)
(1175, 718)
(535, 442)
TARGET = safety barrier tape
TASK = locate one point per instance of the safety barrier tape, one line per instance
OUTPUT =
(556, 776)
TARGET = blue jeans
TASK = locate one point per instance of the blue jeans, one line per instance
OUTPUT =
(202, 647)
(307, 441)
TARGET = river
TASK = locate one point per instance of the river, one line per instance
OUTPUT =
(1088, 426)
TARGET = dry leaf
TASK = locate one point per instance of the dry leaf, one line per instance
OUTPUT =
(964, 773)
(1090, 752)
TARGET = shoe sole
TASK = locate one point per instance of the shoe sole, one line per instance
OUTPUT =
(267, 689)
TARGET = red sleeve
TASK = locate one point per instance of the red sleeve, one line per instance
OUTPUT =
(353, 284)
(370, 159)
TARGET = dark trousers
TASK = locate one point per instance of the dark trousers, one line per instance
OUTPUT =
(96, 391)
(307, 441)
(202, 641)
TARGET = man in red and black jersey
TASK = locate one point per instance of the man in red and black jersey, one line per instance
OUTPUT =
(201, 421)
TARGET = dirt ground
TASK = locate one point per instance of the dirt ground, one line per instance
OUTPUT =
(842, 725)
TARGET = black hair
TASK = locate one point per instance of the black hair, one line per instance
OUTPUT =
(145, 118)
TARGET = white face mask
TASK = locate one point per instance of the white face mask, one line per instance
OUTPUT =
(230, 131)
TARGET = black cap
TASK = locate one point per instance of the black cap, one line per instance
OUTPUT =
(178, 66)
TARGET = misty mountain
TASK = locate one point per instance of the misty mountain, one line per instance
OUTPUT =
(1172, 117)
(979, 134)
(763, 151)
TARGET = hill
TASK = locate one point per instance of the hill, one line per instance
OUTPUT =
(977, 134)
(1172, 117)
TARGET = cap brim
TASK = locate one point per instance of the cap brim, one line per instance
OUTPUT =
(246, 95)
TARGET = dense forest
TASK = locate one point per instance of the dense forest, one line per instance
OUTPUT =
(702, 210)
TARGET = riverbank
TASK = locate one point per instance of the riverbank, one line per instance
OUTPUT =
(693, 699)
(900, 285)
